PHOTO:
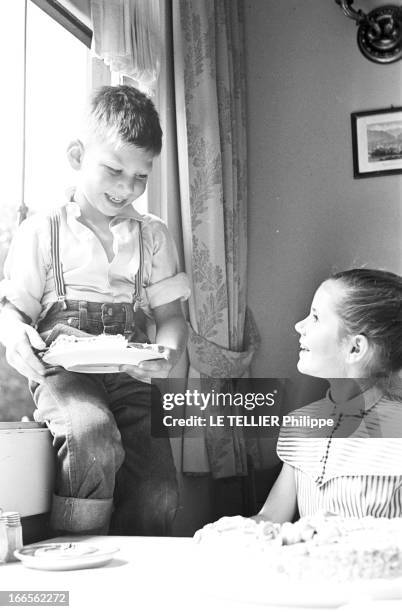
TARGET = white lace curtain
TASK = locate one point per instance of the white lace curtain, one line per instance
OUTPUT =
(127, 37)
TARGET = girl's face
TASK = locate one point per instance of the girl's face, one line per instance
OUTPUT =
(323, 345)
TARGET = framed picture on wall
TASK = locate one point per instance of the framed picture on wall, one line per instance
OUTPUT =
(377, 142)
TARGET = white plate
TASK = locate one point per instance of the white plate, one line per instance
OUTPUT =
(64, 556)
(95, 360)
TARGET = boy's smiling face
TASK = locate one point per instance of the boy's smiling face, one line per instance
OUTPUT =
(111, 176)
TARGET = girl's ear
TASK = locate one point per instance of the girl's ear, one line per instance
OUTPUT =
(358, 349)
(75, 152)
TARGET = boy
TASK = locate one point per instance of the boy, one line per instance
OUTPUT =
(111, 266)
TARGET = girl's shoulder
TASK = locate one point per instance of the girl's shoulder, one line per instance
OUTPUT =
(387, 415)
(312, 421)
(321, 406)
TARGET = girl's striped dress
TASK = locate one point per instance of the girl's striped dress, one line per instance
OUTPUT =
(352, 467)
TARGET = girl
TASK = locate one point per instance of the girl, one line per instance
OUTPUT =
(353, 338)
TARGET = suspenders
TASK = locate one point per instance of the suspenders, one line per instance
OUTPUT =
(57, 266)
(139, 277)
(56, 262)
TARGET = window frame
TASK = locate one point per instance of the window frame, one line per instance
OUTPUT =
(67, 19)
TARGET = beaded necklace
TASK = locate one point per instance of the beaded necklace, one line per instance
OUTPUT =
(324, 459)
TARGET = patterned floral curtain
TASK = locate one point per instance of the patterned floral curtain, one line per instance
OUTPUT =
(211, 131)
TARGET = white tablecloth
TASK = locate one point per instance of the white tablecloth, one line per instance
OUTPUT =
(176, 575)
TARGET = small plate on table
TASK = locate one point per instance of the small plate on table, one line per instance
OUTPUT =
(64, 556)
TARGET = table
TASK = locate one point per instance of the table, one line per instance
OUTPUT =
(166, 574)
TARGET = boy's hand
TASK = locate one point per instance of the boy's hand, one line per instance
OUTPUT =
(152, 368)
(19, 340)
(171, 333)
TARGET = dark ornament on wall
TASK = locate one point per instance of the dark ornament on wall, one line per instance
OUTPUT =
(379, 34)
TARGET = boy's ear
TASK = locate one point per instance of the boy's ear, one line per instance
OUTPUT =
(358, 348)
(75, 152)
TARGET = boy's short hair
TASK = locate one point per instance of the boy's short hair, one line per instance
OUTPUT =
(124, 114)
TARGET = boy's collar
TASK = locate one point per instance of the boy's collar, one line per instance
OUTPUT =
(129, 212)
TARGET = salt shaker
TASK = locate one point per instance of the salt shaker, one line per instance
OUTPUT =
(14, 533)
(3, 539)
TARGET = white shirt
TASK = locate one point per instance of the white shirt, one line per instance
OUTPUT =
(88, 275)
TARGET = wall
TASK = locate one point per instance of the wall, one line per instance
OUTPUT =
(307, 214)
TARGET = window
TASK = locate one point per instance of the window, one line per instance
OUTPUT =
(11, 110)
(57, 83)
(59, 75)
(56, 92)
(57, 78)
